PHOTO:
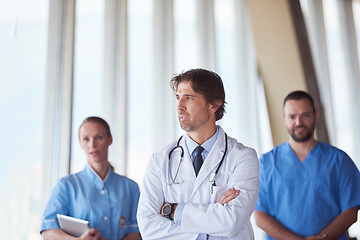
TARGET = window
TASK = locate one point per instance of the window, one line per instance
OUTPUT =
(332, 41)
(356, 11)
(88, 71)
(141, 110)
(343, 77)
(23, 49)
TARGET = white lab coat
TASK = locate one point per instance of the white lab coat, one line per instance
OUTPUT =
(201, 213)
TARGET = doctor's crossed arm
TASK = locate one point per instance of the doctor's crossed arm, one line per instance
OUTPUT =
(170, 208)
(229, 195)
(207, 181)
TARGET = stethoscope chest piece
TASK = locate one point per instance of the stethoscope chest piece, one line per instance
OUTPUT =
(212, 177)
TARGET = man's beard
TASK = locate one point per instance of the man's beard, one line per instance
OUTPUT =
(306, 137)
(192, 126)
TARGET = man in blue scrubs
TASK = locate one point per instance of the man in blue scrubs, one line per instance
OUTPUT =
(308, 189)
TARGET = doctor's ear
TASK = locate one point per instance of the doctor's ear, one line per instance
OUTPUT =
(215, 106)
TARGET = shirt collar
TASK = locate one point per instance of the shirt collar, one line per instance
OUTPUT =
(191, 144)
(99, 183)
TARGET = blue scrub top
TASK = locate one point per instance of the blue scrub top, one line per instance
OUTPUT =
(103, 203)
(306, 196)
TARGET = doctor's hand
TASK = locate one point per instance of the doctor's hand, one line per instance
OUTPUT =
(229, 195)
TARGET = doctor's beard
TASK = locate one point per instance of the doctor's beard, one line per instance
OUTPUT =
(189, 126)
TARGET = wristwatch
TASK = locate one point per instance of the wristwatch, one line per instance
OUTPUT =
(167, 210)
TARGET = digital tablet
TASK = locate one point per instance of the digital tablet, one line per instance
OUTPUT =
(73, 226)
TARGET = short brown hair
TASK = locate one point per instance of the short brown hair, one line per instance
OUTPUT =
(298, 95)
(206, 83)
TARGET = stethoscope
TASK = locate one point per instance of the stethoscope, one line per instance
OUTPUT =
(212, 175)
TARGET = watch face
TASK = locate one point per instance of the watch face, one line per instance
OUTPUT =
(167, 209)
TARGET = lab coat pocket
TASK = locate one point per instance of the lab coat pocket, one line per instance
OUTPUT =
(216, 193)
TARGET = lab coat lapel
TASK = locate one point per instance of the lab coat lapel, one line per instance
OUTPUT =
(188, 166)
(211, 161)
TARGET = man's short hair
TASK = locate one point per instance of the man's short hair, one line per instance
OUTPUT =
(206, 83)
(298, 95)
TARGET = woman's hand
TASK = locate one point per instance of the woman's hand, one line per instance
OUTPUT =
(58, 234)
(92, 234)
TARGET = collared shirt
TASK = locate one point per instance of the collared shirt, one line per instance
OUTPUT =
(109, 205)
(191, 145)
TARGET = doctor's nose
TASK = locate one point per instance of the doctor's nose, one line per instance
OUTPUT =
(180, 104)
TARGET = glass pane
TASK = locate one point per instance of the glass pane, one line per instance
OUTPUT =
(227, 60)
(339, 84)
(185, 30)
(88, 71)
(22, 104)
(356, 12)
(140, 87)
(185, 41)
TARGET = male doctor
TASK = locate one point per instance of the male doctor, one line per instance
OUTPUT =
(206, 184)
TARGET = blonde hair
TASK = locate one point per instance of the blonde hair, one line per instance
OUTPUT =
(98, 120)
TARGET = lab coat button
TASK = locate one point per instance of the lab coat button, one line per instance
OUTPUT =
(102, 192)
(105, 218)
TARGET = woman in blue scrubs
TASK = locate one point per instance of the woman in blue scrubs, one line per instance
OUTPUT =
(97, 194)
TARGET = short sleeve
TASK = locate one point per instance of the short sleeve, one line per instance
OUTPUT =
(349, 187)
(262, 204)
(58, 203)
(135, 193)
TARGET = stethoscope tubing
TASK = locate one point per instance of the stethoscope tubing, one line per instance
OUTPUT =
(212, 176)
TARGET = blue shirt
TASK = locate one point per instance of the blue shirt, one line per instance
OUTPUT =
(103, 203)
(191, 145)
(307, 196)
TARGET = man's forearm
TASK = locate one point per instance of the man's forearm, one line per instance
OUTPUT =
(273, 228)
(132, 236)
(226, 197)
(341, 224)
